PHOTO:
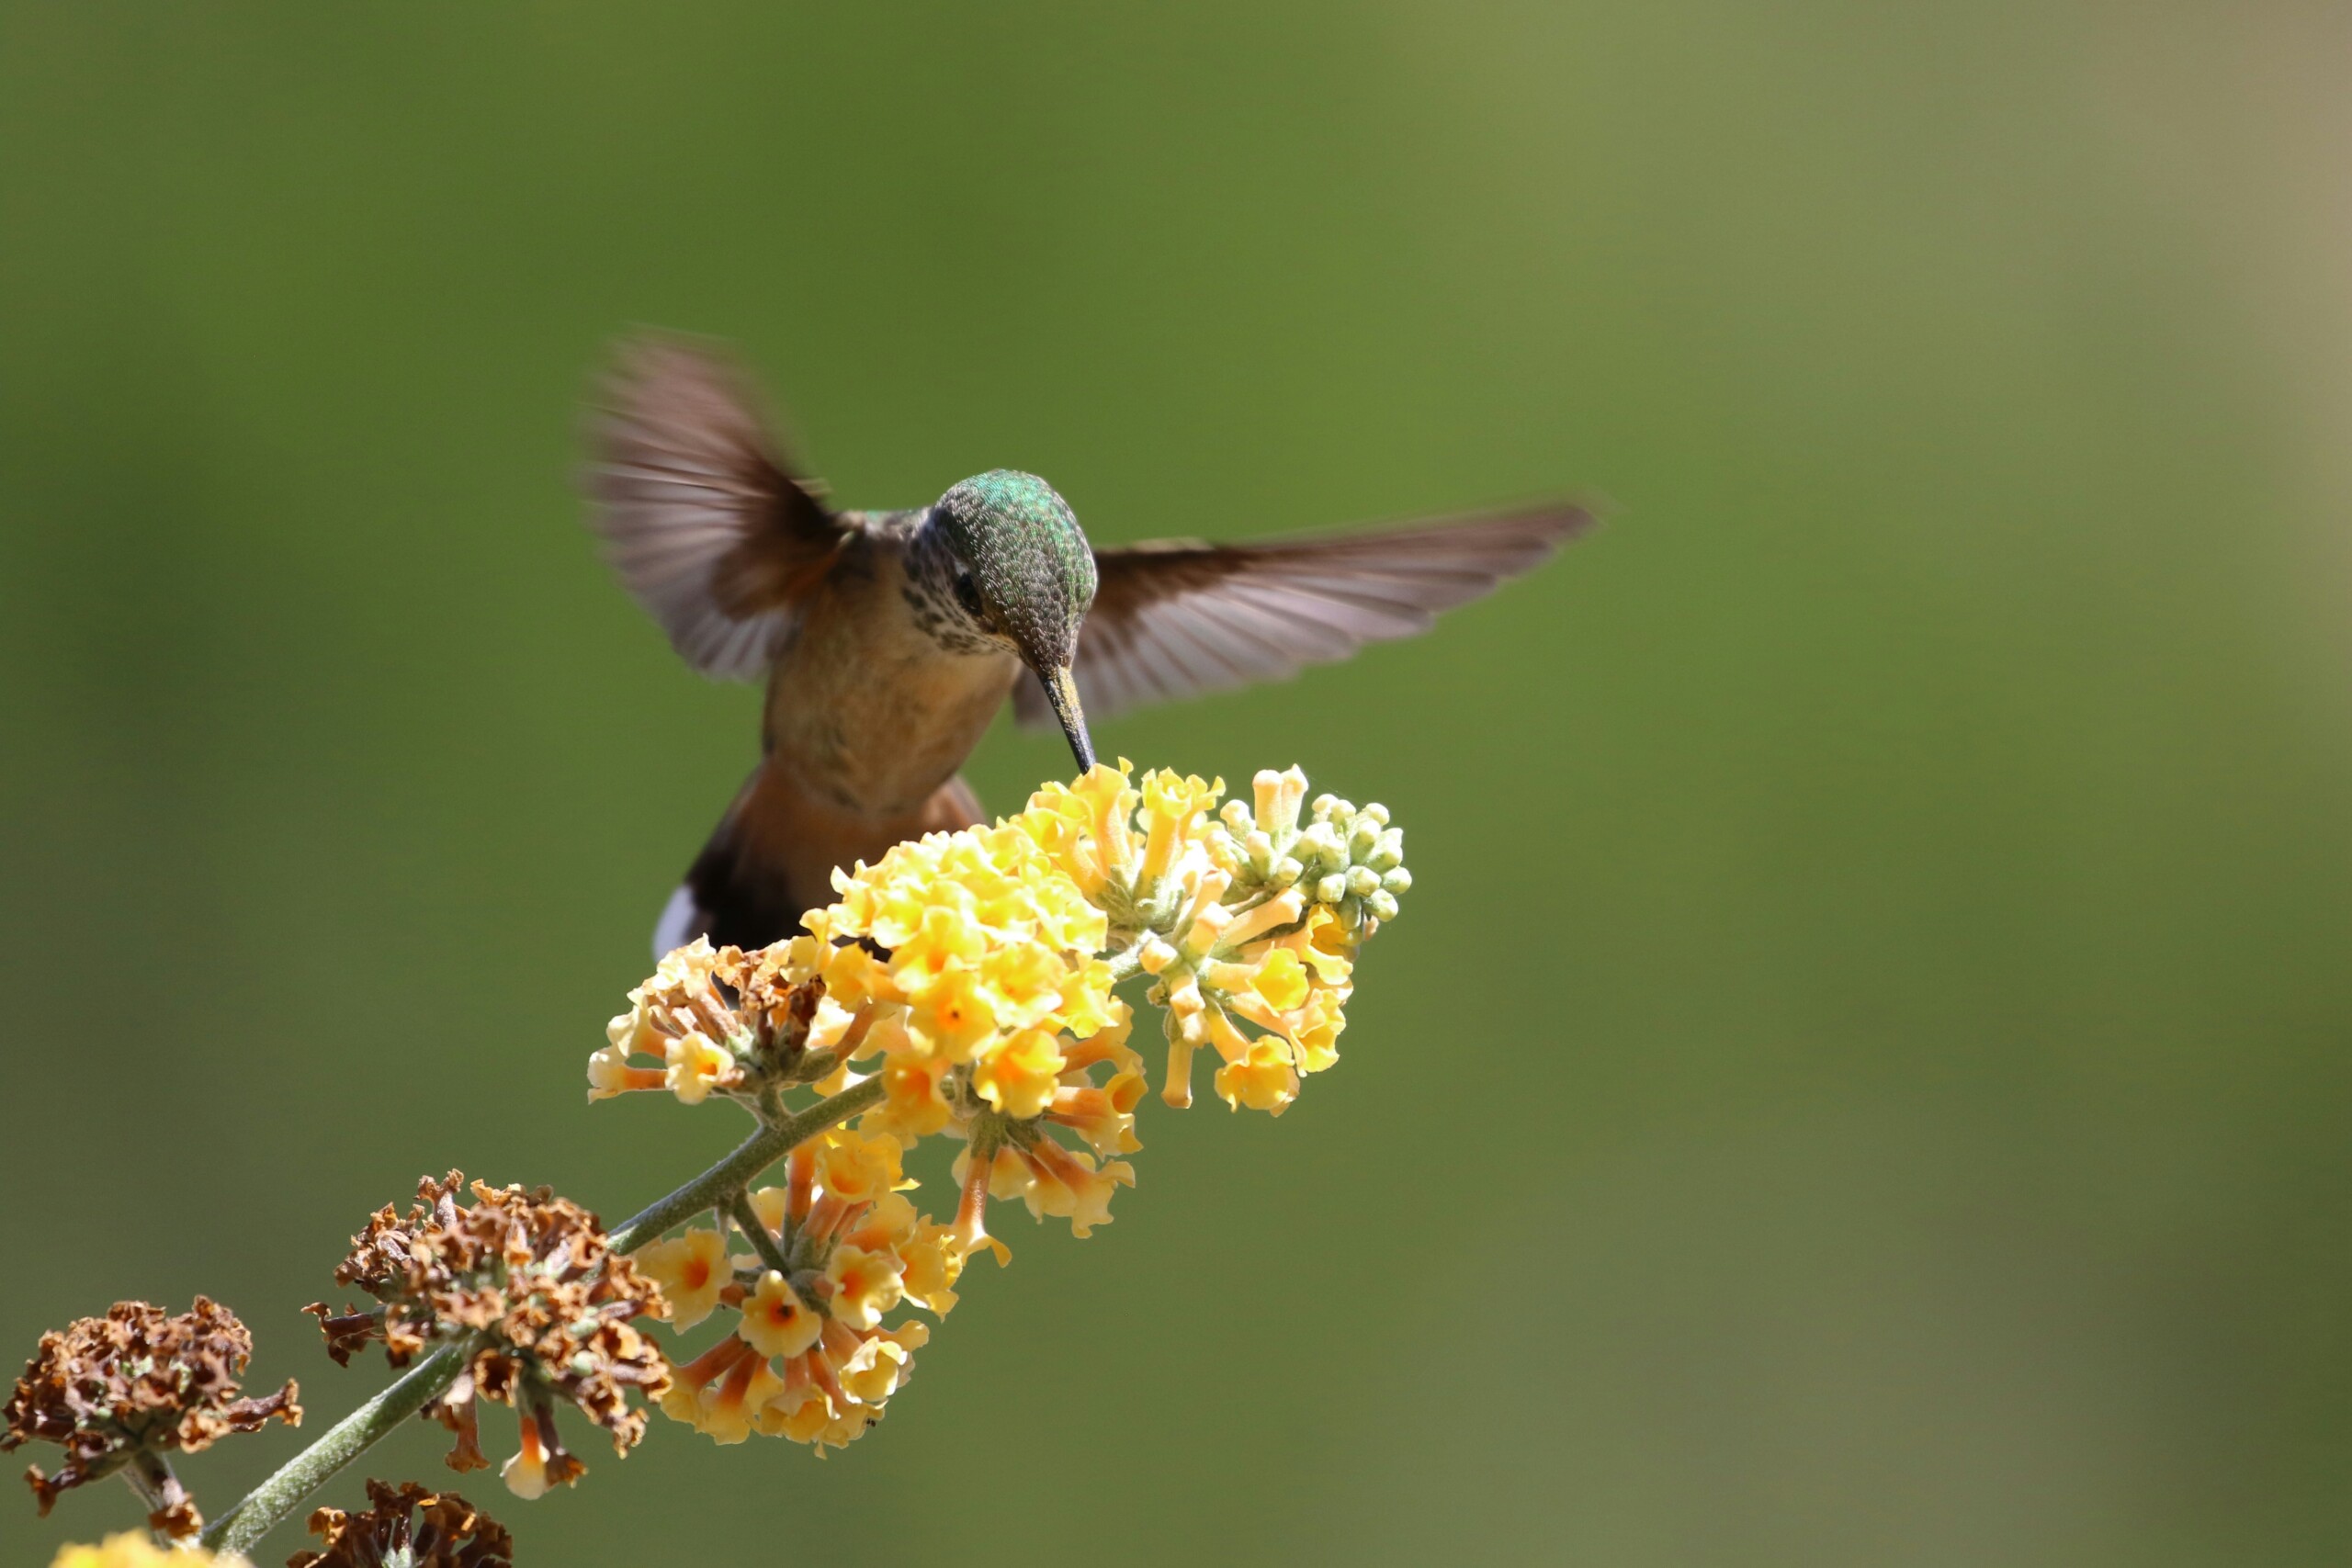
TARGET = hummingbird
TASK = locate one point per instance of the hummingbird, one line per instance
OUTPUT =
(890, 639)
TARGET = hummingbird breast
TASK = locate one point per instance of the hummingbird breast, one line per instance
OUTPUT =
(866, 710)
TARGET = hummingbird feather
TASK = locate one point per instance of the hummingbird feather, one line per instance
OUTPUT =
(701, 519)
(1178, 617)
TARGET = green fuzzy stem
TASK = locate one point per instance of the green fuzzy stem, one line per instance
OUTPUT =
(264, 1508)
(761, 1149)
(747, 1220)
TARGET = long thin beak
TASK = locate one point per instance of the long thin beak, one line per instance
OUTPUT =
(1062, 692)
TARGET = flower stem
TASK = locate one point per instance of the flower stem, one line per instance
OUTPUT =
(149, 1474)
(761, 1149)
(266, 1505)
(748, 1222)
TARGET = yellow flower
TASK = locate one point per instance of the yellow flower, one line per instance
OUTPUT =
(865, 1284)
(132, 1551)
(1056, 1182)
(880, 1363)
(934, 1261)
(916, 1104)
(1020, 1079)
(538, 1465)
(777, 1322)
(1261, 1078)
(692, 1271)
(609, 1073)
(855, 1169)
(696, 1065)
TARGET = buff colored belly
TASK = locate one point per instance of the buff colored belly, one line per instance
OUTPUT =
(867, 714)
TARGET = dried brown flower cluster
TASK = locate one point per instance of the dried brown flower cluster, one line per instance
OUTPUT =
(408, 1528)
(135, 1382)
(528, 1278)
(720, 1021)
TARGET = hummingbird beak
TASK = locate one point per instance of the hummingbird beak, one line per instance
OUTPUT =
(1062, 692)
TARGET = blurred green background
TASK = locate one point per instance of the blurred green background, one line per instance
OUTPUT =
(1861, 1076)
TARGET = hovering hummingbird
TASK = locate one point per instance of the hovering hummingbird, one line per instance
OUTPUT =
(890, 639)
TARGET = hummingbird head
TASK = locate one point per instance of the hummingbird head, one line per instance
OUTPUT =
(1020, 574)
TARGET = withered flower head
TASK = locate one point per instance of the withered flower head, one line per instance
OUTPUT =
(408, 1528)
(528, 1279)
(137, 1381)
(717, 1020)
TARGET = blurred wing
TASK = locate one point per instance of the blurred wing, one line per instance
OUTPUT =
(1178, 617)
(699, 518)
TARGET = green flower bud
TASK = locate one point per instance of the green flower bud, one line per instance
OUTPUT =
(1381, 906)
(1259, 849)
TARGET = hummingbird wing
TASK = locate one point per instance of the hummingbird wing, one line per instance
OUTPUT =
(1177, 617)
(701, 519)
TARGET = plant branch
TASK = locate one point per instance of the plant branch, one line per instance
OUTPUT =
(755, 1154)
(268, 1504)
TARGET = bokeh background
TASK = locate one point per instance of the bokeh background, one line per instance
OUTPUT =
(1861, 1076)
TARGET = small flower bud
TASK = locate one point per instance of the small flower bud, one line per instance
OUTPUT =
(1363, 880)
(1397, 881)
(1286, 872)
(1320, 844)
(1382, 905)
(1375, 813)
(1331, 889)
(1278, 797)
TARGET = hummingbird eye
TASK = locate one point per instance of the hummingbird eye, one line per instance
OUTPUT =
(967, 594)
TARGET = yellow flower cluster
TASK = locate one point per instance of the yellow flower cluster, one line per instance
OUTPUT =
(968, 978)
(809, 1357)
